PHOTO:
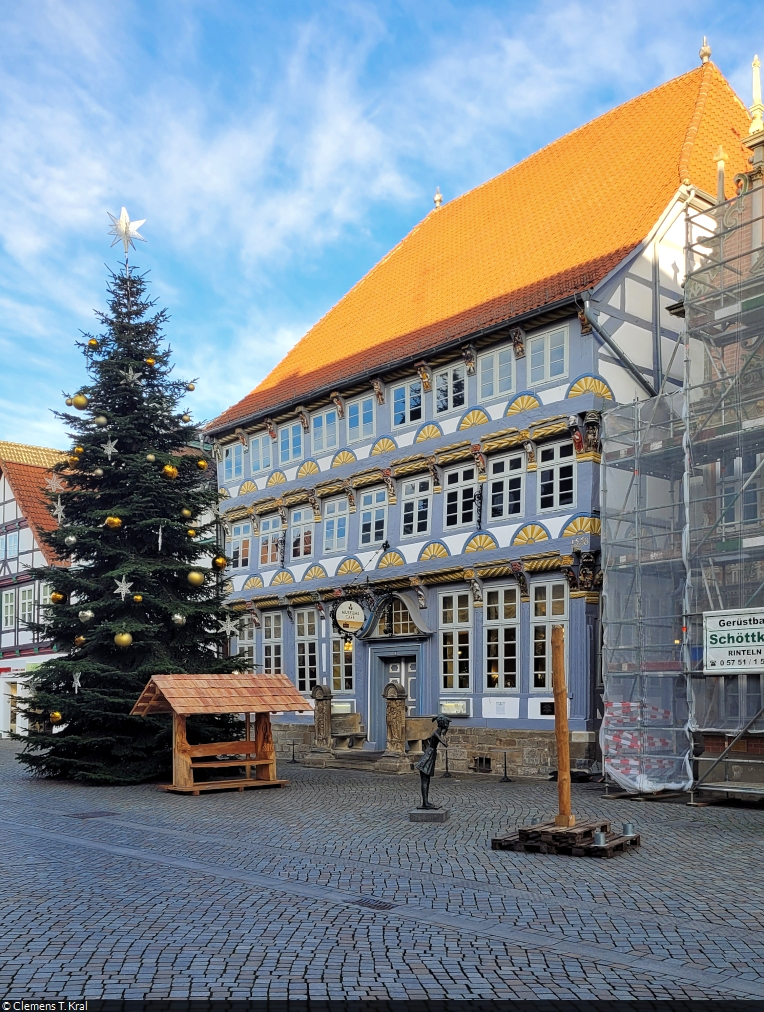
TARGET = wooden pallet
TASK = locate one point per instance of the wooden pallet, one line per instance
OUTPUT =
(577, 841)
(223, 785)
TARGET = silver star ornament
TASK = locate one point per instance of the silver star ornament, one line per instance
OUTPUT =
(125, 230)
(229, 626)
(58, 511)
(109, 447)
(130, 376)
(123, 587)
(54, 484)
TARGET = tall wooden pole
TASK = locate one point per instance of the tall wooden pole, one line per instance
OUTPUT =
(559, 688)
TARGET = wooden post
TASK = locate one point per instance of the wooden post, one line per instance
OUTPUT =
(182, 775)
(560, 690)
(265, 749)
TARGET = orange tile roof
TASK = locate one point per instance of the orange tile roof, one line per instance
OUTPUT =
(547, 228)
(28, 486)
(187, 694)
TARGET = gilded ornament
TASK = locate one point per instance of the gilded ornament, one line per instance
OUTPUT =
(191, 532)
(57, 597)
(113, 523)
(73, 461)
(92, 343)
(150, 458)
(185, 418)
(98, 473)
(185, 512)
(220, 562)
(101, 420)
(170, 471)
(137, 598)
(79, 641)
(80, 402)
(55, 717)
(195, 578)
(150, 361)
(190, 386)
(68, 402)
(123, 639)
(202, 465)
(79, 450)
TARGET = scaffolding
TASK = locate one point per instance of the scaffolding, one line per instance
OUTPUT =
(683, 533)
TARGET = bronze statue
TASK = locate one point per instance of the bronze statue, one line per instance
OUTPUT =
(426, 764)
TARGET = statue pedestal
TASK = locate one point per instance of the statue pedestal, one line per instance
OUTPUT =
(429, 815)
(394, 760)
(321, 750)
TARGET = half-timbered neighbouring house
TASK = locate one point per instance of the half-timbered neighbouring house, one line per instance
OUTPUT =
(430, 449)
(24, 517)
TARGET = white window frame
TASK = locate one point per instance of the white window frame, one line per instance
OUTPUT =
(270, 535)
(245, 642)
(491, 385)
(455, 642)
(414, 492)
(12, 545)
(306, 641)
(410, 391)
(322, 418)
(557, 465)
(540, 347)
(343, 666)
(233, 461)
(541, 641)
(9, 609)
(501, 638)
(454, 402)
(26, 598)
(458, 492)
(261, 452)
(273, 643)
(2, 546)
(365, 429)
(239, 546)
(373, 505)
(45, 592)
(506, 479)
(403, 621)
(301, 533)
(335, 517)
(291, 448)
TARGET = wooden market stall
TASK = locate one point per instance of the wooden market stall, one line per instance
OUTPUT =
(186, 695)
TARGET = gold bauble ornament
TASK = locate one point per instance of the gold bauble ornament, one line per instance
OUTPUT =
(191, 532)
(195, 578)
(202, 465)
(92, 343)
(98, 473)
(79, 450)
(80, 402)
(170, 471)
(150, 458)
(185, 512)
(150, 361)
(55, 717)
(68, 402)
(190, 386)
(137, 598)
(220, 562)
(101, 421)
(73, 461)
(113, 523)
(57, 597)
(185, 418)
(79, 641)
(123, 639)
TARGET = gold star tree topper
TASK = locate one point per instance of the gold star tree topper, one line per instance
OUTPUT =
(125, 230)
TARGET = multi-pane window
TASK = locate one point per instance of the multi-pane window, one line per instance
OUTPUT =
(307, 650)
(301, 534)
(407, 403)
(461, 487)
(450, 390)
(2, 546)
(556, 476)
(360, 419)
(44, 593)
(233, 461)
(505, 487)
(325, 431)
(415, 507)
(549, 608)
(501, 638)
(9, 609)
(336, 525)
(373, 516)
(290, 442)
(270, 533)
(26, 605)
(342, 666)
(455, 632)
(246, 643)
(496, 373)
(238, 546)
(272, 649)
(548, 356)
(736, 471)
(260, 453)
(396, 620)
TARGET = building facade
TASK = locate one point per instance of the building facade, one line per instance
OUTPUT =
(24, 516)
(431, 449)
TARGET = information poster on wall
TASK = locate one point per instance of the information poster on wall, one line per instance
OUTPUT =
(733, 641)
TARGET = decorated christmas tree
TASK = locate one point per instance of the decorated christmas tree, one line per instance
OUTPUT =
(134, 594)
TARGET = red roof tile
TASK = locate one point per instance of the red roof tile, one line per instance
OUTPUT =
(28, 486)
(187, 694)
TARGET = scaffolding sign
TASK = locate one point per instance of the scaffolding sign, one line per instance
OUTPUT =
(733, 640)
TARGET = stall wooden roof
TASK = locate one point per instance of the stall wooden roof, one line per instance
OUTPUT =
(189, 694)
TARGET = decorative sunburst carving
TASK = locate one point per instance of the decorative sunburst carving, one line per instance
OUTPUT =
(247, 486)
(348, 566)
(343, 457)
(435, 550)
(283, 577)
(530, 534)
(223, 493)
(228, 587)
(253, 582)
(315, 573)
(307, 467)
(383, 445)
(582, 525)
(481, 543)
(474, 417)
(429, 431)
(590, 385)
(523, 402)
(391, 559)
(277, 478)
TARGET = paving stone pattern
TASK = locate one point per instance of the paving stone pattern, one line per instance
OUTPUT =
(325, 890)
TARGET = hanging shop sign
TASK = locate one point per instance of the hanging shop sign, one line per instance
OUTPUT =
(733, 641)
(349, 616)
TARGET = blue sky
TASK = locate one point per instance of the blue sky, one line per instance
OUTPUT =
(277, 151)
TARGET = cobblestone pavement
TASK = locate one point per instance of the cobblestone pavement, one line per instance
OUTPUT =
(325, 890)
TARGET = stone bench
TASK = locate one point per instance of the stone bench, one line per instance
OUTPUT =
(347, 731)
